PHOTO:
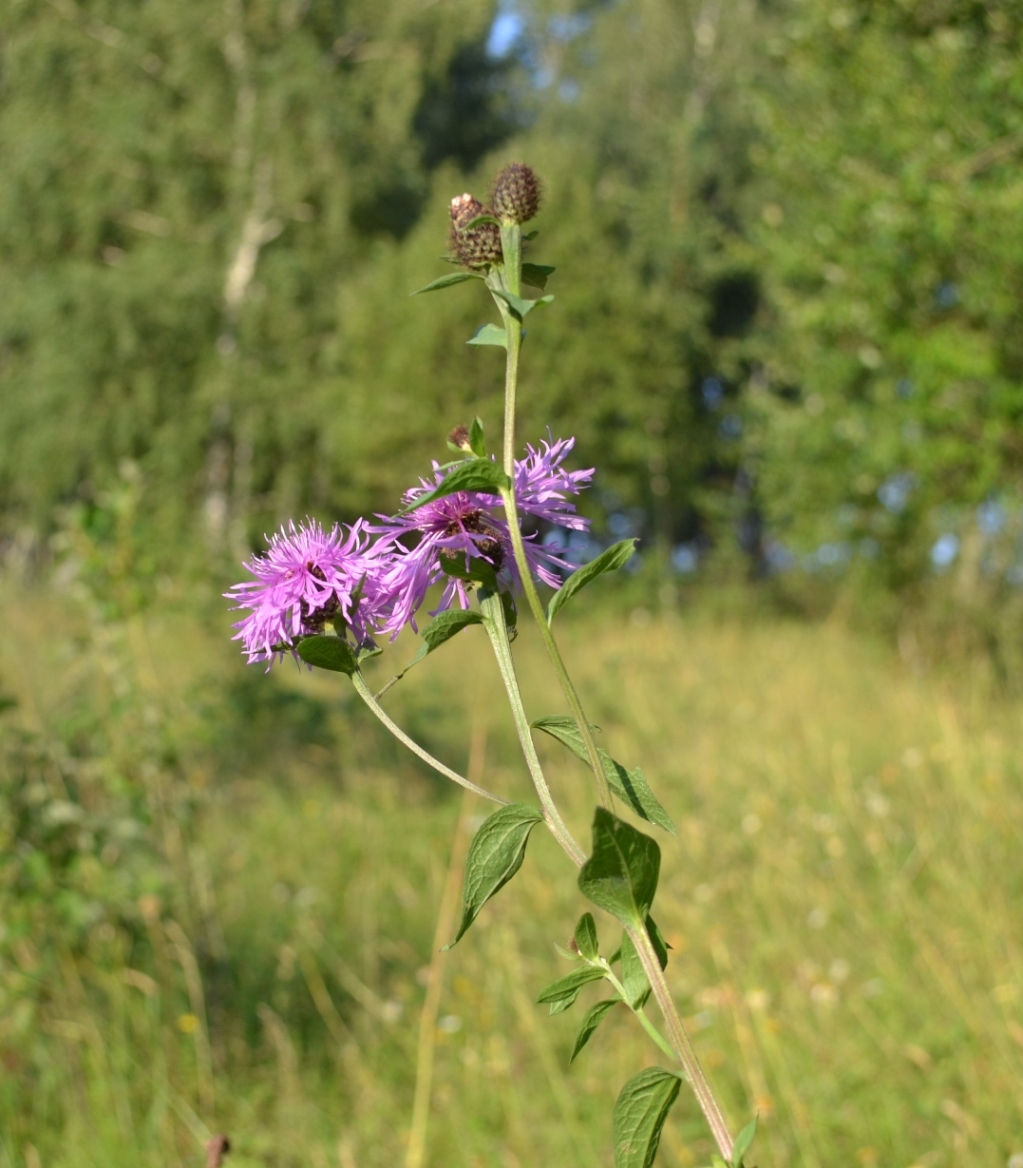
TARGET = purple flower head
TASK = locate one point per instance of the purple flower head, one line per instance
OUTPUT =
(306, 578)
(471, 525)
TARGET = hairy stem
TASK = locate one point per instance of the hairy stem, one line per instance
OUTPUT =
(511, 280)
(644, 1021)
(681, 1047)
(364, 692)
(497, 630)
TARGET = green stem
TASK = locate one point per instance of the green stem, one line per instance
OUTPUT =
(497, 630)
(364, 692)
(567, 688)
(644, 1021)
(511, 281)
(681, 1047)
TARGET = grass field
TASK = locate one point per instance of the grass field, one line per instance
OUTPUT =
(220, 890)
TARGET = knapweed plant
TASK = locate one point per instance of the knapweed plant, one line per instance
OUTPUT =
(327, 596)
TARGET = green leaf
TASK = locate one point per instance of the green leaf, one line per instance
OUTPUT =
(661, 946)
(446, 282)
(518, 304)
(630, 786)
(473, 569)
(562, 993)
(367, 650)
(591, 1020)
(495, 855)
(536, 275)
(479, 221)
(530, 235)
(615, 557)
(586, 937)
(442, 628)
(621, 874)
(476, 443)
(743, 1141)
(634, 979)
(639, 1115)
(326, 652)
(489, 334)
(475, 474)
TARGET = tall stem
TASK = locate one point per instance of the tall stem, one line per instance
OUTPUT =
(364, 692)
(497, 630)
(680, 1043)
(511, 280)
(511, 243)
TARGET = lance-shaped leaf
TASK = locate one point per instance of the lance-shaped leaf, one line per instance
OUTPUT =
(630, 786)
(621, 874)
(489, 334)
(536, 275)
(743, 1141)
(474, 569)
(518, 304)
(495, 855)
(326, 652)
(446, 282)
(639, 1115)
(442, 628)
(661, 946)
(475, 474)
(586, 937)
(591, 1020)
(634, 978)
(476, 443)
(616, 556)
(562, 993)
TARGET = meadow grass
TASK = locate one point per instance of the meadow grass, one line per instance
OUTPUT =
(252, 957)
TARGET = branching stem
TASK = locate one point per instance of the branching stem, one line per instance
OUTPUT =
(364, 692)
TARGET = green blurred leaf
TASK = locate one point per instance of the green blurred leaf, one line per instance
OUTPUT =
(489, 334)
(634, 980)
(479, 221)
(520, 306)
(473, 569)
(442, 628)
(495, 855)
(591, 1020)
(743, 1141)
(446, 282)
(562, 993)
(368, 650)
(326, 652)
(476, 442)
(621, 874)
(657, 940)
(475, 474)
(530, 235)
(537, 275)
(610, 560)
(586, 937)
(630, 786)
(639, 1115)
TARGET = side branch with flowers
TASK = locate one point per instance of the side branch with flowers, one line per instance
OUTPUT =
(325, 598)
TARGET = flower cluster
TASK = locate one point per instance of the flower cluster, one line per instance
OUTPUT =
(375, 577)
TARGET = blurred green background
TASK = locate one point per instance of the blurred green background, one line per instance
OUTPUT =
(789, 250)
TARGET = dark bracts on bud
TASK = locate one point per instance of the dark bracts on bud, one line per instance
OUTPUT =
(516, 197)
(475, 247)
(459, 438)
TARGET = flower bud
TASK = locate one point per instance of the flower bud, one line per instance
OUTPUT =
(459, 438)
(516, 197)
(479, 246)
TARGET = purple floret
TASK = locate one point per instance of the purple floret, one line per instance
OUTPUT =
(306, 578)
(471, 525)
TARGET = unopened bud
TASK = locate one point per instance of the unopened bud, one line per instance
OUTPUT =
(479, 246)
(459, 438)
(516, 197)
